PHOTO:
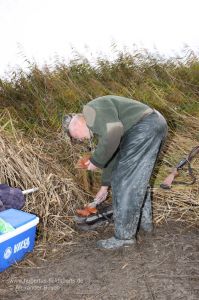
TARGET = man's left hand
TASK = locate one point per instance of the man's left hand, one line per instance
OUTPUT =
(90, 166)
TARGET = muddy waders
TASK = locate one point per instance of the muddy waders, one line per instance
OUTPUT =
(137, 155)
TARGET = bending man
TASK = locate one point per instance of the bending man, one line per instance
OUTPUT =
(130, 135)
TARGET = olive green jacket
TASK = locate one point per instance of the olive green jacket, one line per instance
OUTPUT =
(109, 117)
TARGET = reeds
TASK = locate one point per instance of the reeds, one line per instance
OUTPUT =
(181, 202)
(26, 164)
(34, 153)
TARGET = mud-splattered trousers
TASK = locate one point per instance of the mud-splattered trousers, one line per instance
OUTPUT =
(137, 155)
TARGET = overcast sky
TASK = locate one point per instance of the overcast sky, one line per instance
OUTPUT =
(44, 29)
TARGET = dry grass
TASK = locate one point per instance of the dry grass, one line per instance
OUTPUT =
(26, 164)
(181, 203)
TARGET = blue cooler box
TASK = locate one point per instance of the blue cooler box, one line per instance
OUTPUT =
(15, 244)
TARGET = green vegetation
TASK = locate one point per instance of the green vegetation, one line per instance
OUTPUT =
(37, 98)
(34, 153)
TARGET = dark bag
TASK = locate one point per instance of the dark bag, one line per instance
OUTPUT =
(10, 197)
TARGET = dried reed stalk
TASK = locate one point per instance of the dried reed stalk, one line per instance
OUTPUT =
(48, 164)
(26, 164)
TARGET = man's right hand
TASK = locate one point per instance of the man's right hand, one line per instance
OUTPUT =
(100, 196)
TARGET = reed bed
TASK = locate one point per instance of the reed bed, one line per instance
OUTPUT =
(33, 152)
(26, 164)
(181, 202)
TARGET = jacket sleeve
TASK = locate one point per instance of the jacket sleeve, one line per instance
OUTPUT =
(108, 143)
(107, 172)
(104, 122)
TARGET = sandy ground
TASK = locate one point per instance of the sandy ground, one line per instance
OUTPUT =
(164, 265)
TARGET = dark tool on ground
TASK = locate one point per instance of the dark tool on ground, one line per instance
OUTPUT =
(185, 161)
(102, 216)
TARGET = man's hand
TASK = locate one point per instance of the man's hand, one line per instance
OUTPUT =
(100, 196)
(90, 166)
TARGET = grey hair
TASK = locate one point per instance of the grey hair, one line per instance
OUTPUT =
(66, 122)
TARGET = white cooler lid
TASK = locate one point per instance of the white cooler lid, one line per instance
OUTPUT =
(6, 236)
(16, 217)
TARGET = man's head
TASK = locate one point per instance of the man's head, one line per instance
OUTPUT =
(74, 125)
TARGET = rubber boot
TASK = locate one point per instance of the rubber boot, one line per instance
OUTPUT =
(114, 243)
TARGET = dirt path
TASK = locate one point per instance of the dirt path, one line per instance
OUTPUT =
(162, 266)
